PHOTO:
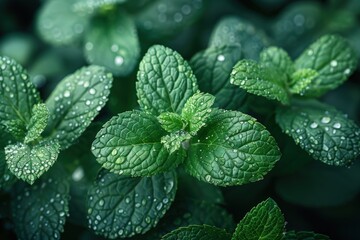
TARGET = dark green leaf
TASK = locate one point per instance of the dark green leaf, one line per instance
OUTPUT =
(198, 232)
(38, 122)
(171, 122)
(302, 235)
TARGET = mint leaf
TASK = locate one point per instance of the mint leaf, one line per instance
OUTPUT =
(233, 149)
(122, 206)
(260, 80)
(58, 23)
(39, 211)
(265, 221)
(30, 162)
(6, 177)
(326, 134)
(38, 122)
(173, 141)
(17, 93)
(197, 232)
(304, 235)
(90, 6)
(332, 57)
(171, 122)
(301, 80)
(274, 57)
(212, 67)
(165, 81)
(75, 103)
(197, 110)
(112, 42)
(130, 144)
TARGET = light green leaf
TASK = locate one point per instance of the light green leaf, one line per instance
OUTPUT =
(39, 211)
(165, 81)
(304, 235)
(76, 101)
(17, 93)
(265, 221)
(332, 57)
(130, 144)
(301, 80)
(30, 162)
(112, 42)
(274, 57)
(90, 6)
(174, 141)
(326, 134)
(59, 24)
(198, 232)
(38, 122)
(122, 206)
(233, 149)
(212, 67)
(260, 80)
(171, 122)
(197, 110)
(6, 177)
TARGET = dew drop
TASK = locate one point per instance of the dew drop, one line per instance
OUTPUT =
(114, 152)
(88, 102)
(92, 91)
(325, 120)
(101, 202)
(314, 125)
(67, 93)
(221, 58)
(333, 63)
(337, 125)
(347, 71)
(119, 60)
(208, 178)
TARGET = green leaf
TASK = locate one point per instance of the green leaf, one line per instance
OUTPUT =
(197, 232)
(30, 162)
(165, 81)
(39, 211)
(59, 24)
(6, 177)
(197, 110)
(233, 31)
(174, 141)
(326, 134)
(17, 93)
(16, 128)
(212, 67)
(304, 235)
(112, 42)
(233, 149)
(130, 144)
(75, 103)
(260, 80)
(301, 80)
(122, 206)
(265, 221)
(171, 122)
(274, 57)
(38, 122)
(90, 6)
(332, 57)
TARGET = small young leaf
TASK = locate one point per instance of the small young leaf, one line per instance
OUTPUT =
(265, 221)
(197, 110)
(326, 134)
(130, 144)
(171, 122)
(39, 211)
(198, 232)
(122, 206)
(301, 79)
(17, 93)
(165, 81)
(233, 149)
(90, 6)
(112, 42)
(212, 67)
(38, 122)
(274, 57)
(304, 235)
(332, 57)
(260, 80)
(174, 141)
(75, 103)
(58, 23)
(30, 162)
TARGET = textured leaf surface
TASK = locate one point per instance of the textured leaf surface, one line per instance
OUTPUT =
(233, 149)
(174, 141)
(30, 162)
(76, 101)
(332, 57)
(274, 57)
(17, 93)
(198, 232)
(301, 80)
(130, 144)
(38, 122)
(326, 134)
(212, 68)
(260, 80)
(265, 221)
(58, 23)
(89, 6)
(122, 206)
(171, 122)
(39, 211)
(165, 81)
(304, 235)
(112, 42)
